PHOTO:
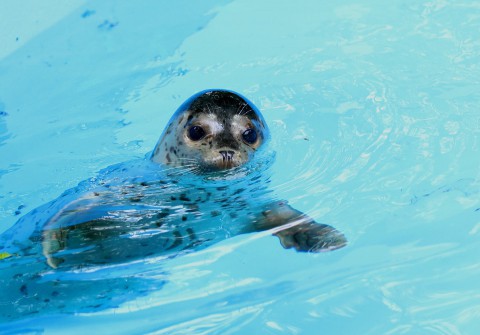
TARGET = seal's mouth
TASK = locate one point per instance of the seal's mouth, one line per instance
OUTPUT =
(225, 160)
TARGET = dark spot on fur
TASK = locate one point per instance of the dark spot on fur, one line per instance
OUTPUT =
(177, 241)
(222, 188)
(144, 183)
(163, 214)
(173, 198)
(191, 234)
(96, 194)
(240, 190)
(215, 213)
(183, 197)
(24, 290)
(168, 158)
(184, 218)
(233, 215)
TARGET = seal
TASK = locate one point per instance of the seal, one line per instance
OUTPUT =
(204, 181)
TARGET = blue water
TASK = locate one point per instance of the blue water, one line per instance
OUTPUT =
(374, 117)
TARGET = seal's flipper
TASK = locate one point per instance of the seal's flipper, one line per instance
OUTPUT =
(299, 231)
(71, 216)
(89, 220)
(311, 237)
(53, 241)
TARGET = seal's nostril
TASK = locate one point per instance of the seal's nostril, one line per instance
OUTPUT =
(227, 155)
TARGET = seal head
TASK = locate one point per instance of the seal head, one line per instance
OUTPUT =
(213, 130)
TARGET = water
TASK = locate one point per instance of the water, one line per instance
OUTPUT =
(373, 112)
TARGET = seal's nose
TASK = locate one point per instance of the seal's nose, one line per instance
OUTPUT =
(227, 155)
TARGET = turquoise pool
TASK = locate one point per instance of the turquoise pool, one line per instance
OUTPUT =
(374, 114)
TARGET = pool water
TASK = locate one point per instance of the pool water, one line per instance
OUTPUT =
(373, 109)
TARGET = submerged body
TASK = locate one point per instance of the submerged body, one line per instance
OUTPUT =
(205, 181)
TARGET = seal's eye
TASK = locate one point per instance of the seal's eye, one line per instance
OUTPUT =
(196, 133)
(250, 136)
